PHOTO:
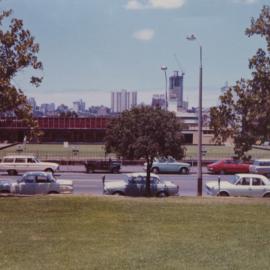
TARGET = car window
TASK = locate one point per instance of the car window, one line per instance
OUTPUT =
(171, 159)
(228, 162)
(257, 182)
(245, 181)
(154, 180)
(20, 160)
(42, 179)
(136, 180)
(28, 179)
(31, 160)
(8, 160)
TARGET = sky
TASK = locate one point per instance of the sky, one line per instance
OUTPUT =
(92, 47)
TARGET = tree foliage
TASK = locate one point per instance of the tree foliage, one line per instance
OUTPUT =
(243, 113)
(145, 132)
(18, 51)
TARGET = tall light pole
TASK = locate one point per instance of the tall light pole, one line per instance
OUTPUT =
(164, 68)
(199, 170)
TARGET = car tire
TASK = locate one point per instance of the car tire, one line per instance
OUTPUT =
(53, 192)
(49, 170)
(184, 170)
(12, 172)
(223, 194)
(162, 194)
(118, 193)
(155, 170)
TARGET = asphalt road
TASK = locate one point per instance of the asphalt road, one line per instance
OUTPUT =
(92, 183)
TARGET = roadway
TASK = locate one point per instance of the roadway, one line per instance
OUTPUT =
(91, 184)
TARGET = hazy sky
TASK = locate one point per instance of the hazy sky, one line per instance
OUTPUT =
(91, 47)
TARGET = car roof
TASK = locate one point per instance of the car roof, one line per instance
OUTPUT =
(19, 156)
(37, 173)
(140, 174)
(251, 175)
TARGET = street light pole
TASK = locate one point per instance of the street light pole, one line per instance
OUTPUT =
(199, 162)
(164, 68)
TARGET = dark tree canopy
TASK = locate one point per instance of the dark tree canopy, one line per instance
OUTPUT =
(243, 113)
(18, 51)
(145, 132)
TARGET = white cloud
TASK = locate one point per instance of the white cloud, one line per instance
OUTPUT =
(144, 35)
(246, 2)
(155, 4)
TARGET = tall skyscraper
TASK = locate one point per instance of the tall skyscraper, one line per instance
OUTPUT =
(123, 100)
(176, 90)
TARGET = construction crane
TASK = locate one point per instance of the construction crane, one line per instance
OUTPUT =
(178, 64)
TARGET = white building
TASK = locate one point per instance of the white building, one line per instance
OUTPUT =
(79, 106)
(123, 100)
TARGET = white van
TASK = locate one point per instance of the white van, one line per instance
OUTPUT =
(13, 164)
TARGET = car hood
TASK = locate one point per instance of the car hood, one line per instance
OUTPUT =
(214, 184)
(169, 184)
(65, 182)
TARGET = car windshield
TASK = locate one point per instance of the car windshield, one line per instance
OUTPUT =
(234, 179)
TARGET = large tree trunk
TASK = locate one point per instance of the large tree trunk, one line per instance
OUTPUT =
(148, 171)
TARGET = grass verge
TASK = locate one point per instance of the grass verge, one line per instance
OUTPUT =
(124, 233)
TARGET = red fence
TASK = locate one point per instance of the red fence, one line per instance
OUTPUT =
(58, 123)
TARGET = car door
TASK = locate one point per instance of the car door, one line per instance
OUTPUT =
(43, 184)
(20, 164)
(135, 186)
(171, 165)
(257, 188)
(27, 185)
(242, 187)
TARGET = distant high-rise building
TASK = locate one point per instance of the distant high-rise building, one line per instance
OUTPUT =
(159, 101)
(79, 106)
(123, 100)
(47, 108)
(176, 90)
(32, 102)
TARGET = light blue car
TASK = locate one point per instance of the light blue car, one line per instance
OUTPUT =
(169, 165)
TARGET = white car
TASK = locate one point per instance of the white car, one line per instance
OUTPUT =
(134, 184)
(13, 164)
(38, 183)
(247, 185)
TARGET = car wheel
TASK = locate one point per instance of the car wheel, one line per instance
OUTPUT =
(118, 193)
(184, 171)
(162, 194)
(267, 195)
(223, 194)
(53, 192)
(155, 170)
(12, 172)
(49, 170)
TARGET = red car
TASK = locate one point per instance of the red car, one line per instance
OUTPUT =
(228, 166)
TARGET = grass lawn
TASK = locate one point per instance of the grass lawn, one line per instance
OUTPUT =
(51, 151)
(76, 232)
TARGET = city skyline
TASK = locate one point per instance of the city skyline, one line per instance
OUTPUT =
(90, 48)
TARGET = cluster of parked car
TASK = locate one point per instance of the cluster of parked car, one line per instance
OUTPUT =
(38, 179)
(249, 179)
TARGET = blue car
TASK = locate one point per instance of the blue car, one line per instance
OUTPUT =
(169, 165)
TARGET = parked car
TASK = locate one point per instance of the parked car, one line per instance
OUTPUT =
(37, 183)
(13, 164)
(247, 185)
(4, 187)
(134, 184)
(112, 166)
(228, 166)
(168, 165)
(260, 166)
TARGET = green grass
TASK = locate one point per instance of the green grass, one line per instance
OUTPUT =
(52, 151)
(124, 233)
